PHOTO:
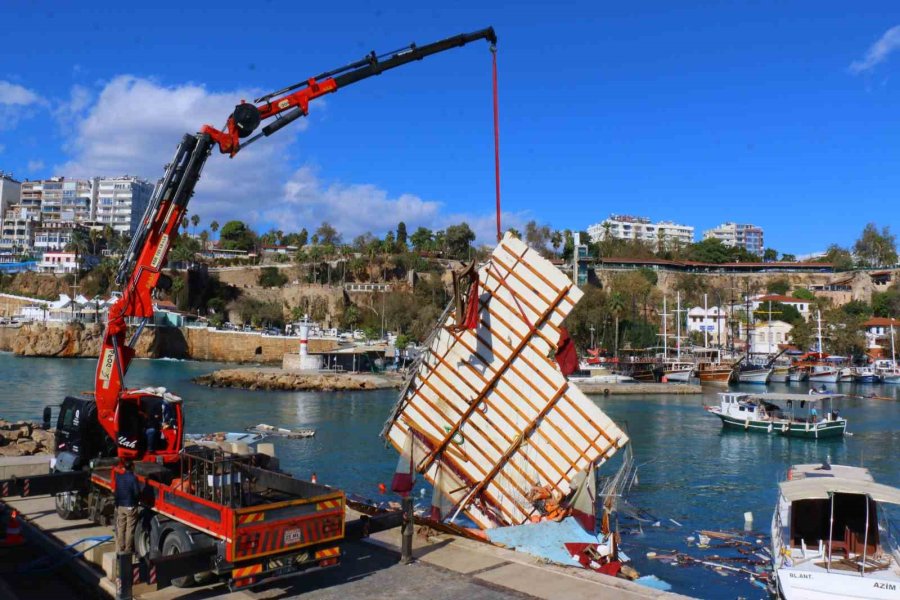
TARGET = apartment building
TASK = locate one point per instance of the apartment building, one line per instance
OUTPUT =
(69, 200)
(10, 188)
(54, 236)
(121, 202)
(18, 229)
(738, 235)
(628, 227)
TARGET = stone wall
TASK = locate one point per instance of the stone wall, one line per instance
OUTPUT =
(77, 340)
(245, 347)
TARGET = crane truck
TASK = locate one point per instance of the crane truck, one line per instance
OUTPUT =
(209, 513)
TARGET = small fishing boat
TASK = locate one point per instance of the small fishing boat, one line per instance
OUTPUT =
(780, 373)
(865, 375)
(678, 371)
(831, 538)
(798, 418)
(798, 373)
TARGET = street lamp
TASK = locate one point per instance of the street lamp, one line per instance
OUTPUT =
(592, 335)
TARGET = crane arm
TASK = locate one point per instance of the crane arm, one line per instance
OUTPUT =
(140, 272)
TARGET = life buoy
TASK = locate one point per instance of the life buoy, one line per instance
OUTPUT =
(606, 391)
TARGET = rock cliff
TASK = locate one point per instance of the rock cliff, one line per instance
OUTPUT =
(77, 340)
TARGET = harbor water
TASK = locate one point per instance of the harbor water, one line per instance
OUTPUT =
(693, 475)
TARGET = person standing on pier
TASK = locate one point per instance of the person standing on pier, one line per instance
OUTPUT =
(128, 493)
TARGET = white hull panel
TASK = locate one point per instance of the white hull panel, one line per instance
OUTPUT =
(679, 376)
(759, 377)
(824, 378)
(796, 584)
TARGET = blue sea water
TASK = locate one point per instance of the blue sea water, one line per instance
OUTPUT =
(693, 475)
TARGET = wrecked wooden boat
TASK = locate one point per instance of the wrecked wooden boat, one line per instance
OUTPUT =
(488, 415)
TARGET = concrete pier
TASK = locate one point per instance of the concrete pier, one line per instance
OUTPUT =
(615, 389)
(446, 567)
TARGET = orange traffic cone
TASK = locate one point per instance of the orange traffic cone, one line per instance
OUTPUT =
(13, 531)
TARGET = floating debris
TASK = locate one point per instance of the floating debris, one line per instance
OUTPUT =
(271, 430)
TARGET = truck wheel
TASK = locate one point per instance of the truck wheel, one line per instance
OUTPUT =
(70, 505)
(142, 541)
(176, 542)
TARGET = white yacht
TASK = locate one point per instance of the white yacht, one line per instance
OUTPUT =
(830, 537)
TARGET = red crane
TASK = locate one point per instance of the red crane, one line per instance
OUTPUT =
(122, 412)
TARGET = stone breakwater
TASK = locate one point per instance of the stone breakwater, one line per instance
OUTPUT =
(281, 380)
(23, 438)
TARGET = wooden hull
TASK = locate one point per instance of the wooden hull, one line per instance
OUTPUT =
(718, 377)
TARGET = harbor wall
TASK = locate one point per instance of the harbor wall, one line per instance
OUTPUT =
(245, 347)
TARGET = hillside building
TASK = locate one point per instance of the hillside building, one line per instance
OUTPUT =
(627, 227)
(121, 202)
(738, 235)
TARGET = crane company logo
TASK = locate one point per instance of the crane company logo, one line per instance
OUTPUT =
(76, 418)
(160, 251)
(106, 365)
(293, 536)
(126, 443)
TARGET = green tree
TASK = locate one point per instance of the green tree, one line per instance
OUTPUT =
(788, 258)
(422, 239)
(803, 335)
(538, 236)
(803, 294)
(302, 238)
(839, 257)
(770, 255)
(710, 250)
(214, 226)
(401, 234)
(780, 312)
(237, 236)
(887, 303)
(459, 241)
(327, 234)
(556, 240)
(876, 249)
(271, 277)
(778, 286)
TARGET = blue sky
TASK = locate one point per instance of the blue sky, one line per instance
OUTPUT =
(764, 112)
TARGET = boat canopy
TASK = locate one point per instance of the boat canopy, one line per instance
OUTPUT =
(821, 488)
(812, 398)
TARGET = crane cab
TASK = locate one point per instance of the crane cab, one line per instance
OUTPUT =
(150, 425)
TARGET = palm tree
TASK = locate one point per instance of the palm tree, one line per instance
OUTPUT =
(79, 244)
(556, 240)
(214, 226)
(195, 220)
(616, 306)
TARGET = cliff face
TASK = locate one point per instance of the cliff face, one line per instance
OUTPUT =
(77, 340)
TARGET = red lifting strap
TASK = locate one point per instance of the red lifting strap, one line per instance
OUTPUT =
(496, 141)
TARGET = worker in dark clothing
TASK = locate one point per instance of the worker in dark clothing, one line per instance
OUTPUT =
(154, 426)
(128, 493)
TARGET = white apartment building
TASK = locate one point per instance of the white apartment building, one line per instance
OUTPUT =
(64, 262)
(121, 202)
(802, 306)
(627, 227)
(68, 200)
(738, 235)
(17, 231)
(10, 189)
(767, 337)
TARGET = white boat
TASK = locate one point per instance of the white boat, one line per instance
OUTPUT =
(678, 371)
(830, 537)
(780, 373)
(824, 373)
(798, 373)
(611, 378)
(757, 376)
(865, 375)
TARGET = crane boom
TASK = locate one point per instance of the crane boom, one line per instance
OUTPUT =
(140, 272)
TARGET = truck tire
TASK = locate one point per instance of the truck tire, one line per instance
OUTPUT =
(70, 505)
(176, 542)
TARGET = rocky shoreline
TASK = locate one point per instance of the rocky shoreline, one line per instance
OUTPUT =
(22, 438)
(281, 380)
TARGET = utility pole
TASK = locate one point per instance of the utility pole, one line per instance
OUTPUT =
(665, 318)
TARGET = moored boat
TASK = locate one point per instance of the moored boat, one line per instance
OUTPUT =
(830, 536)
(798, 418)
(754, 374)
(798, 373)
(678, 371)
(780, 373)
(865, 375)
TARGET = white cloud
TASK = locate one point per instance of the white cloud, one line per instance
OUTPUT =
(35, 165)
(878, 52)
(133, 125)
(353, 209)
(13, 94)
(17, 102)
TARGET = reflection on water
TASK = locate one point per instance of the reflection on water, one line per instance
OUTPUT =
(692, 471)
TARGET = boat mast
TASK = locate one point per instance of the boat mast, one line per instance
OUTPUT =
(705, 319)
(665, 335)
(819, 325)
(893, 356)
(769, 342)
(678, 325)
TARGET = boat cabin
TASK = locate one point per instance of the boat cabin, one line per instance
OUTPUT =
(829, 519)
